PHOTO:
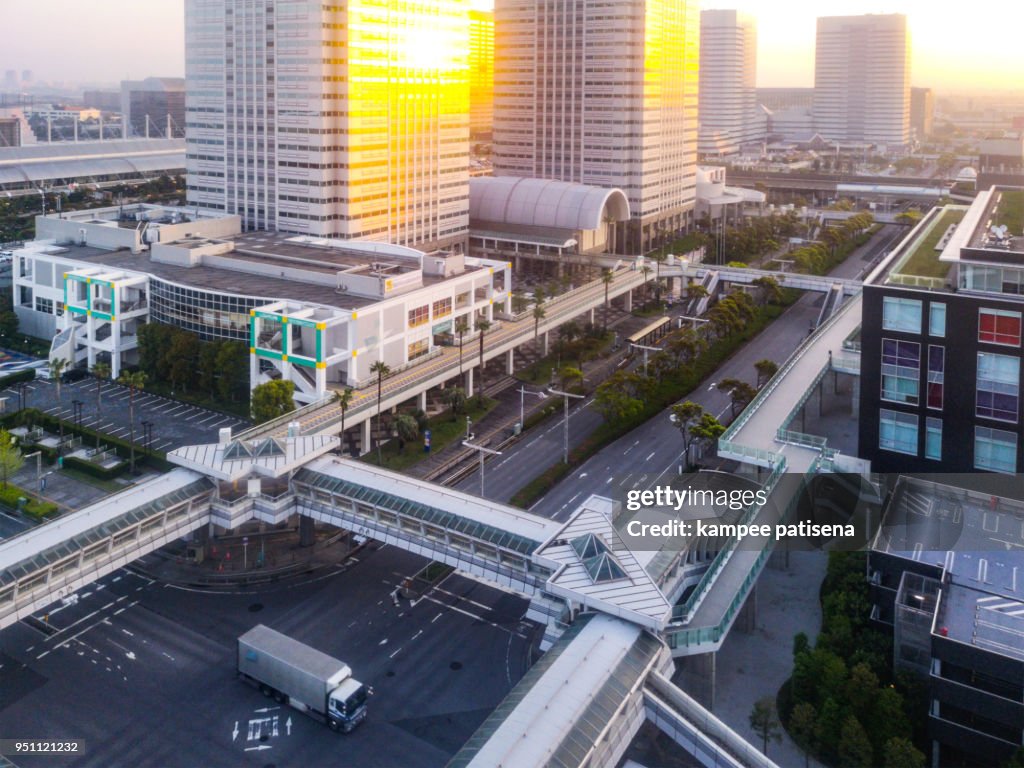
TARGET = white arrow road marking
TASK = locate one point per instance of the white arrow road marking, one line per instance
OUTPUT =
(264, 710)
(260, 748)
(288, 725)
(234, 733)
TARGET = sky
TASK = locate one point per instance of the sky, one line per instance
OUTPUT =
(956, 46)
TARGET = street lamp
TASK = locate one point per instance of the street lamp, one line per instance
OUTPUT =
(523, 392)
(76, 412)
(646, 349)
(483, 453)
(565, 396)
(147, 434)
(469, 423)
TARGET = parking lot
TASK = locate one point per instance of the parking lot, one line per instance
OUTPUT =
(145, 673)
(174, 423)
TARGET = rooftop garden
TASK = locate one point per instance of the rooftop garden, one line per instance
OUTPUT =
(923, 260)
(1011, 211)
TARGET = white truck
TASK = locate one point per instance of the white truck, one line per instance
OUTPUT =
(293, 673)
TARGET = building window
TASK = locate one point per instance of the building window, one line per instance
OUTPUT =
(897, 432)
(933, 439)
(44, 305)
(936, 319)
(901, 371)
(419, 316)
(442, 308)
(418, 349)
(998, 386)
(936, 376)
(995, 450)
(901, 314)
(997, 326)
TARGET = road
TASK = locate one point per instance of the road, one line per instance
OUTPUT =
(144, 672)
(651, 452)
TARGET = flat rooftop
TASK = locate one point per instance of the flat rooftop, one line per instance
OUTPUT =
(266, 288)
(272, 247)
(919, 264)
(1004, 208)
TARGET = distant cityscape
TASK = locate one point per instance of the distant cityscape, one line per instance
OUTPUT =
(512, 387)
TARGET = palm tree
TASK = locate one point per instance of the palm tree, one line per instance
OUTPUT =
(461, 328)
(408, 430)
(483, 326)
(607, 279)
(539, 313)
(344, 400)
(381, 369)
(646, 271)
(658, 257)
(57, 367)
(101, 371)
(135, 381)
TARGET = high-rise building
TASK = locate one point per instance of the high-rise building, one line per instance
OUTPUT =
(729, 115)
(147, 104)
(339, 120)
(862, 79)
(603, 94)
(922, 112)
(481, 73)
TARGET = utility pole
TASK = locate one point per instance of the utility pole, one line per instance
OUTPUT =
(565, 421)
(483, 453)
(523, 392)
(646, 349)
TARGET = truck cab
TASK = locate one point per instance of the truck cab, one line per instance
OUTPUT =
(347, 705)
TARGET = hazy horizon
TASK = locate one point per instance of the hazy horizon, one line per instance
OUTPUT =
(132, 40)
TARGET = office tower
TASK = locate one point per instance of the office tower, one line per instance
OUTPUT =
(147, 104)
(922, 112)
(481, 74)
(26, 77)
(728, 115)
(862, 80)
(338, 120)
(11, 80)
(606, 95)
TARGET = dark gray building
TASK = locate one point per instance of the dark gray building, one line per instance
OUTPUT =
(147, 104)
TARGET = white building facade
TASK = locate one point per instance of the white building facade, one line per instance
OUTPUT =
(602, 94)
(333, 120)
(862, 80)
(729, 113)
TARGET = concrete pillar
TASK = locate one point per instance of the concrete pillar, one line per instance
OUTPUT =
(697, 677)
(469, 382)
(746, 620)
(591, 317)
(547, 343)
(855, 400)
(510, 362)
(365, 437)
(627, 300)
(421, 401)
(307, 531)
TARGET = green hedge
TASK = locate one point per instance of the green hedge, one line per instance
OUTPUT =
(95, 470)
(14, 378)
(36, 508)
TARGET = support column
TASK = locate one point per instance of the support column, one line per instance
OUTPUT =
(592, 315)
(307, 531)
(627, 300)
(855, 400)
(365, 436)
(547, 344)
(421, 401)
(510, 362)
(746, 621)
(469, 382)
(697, 677)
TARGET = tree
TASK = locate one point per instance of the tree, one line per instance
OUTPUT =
(854, 745)
(483, 326)
(802, 729)
(539, 313)
(407, 429)
(765, 722)
(740, 393)
(382, 369)
(607, 277)
(57, 367)
(901, 753)
(135, 381)
(770, 291)
(569, 376)
(102, 372)
(461, 328)
(272, 399)
(765, 370)
(8, 325)
(455, 398)
(183, 354)
(343, 399)
(707, 430)
(616, 398)
(685, 416)
(659, 258)
(11, 459)
(206, 367)
(232, 370)
(646, 272)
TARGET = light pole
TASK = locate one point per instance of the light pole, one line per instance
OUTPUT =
(483, 453)
(646, 349)
(565, 441)
(523, 392)
(39, 467)
(469, 423)
(693, 320)
(147, 435)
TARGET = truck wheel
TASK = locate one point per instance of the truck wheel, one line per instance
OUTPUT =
(348, 728)
(266, 690)
(333, 724)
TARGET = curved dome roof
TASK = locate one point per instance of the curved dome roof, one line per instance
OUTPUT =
(544, 202)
